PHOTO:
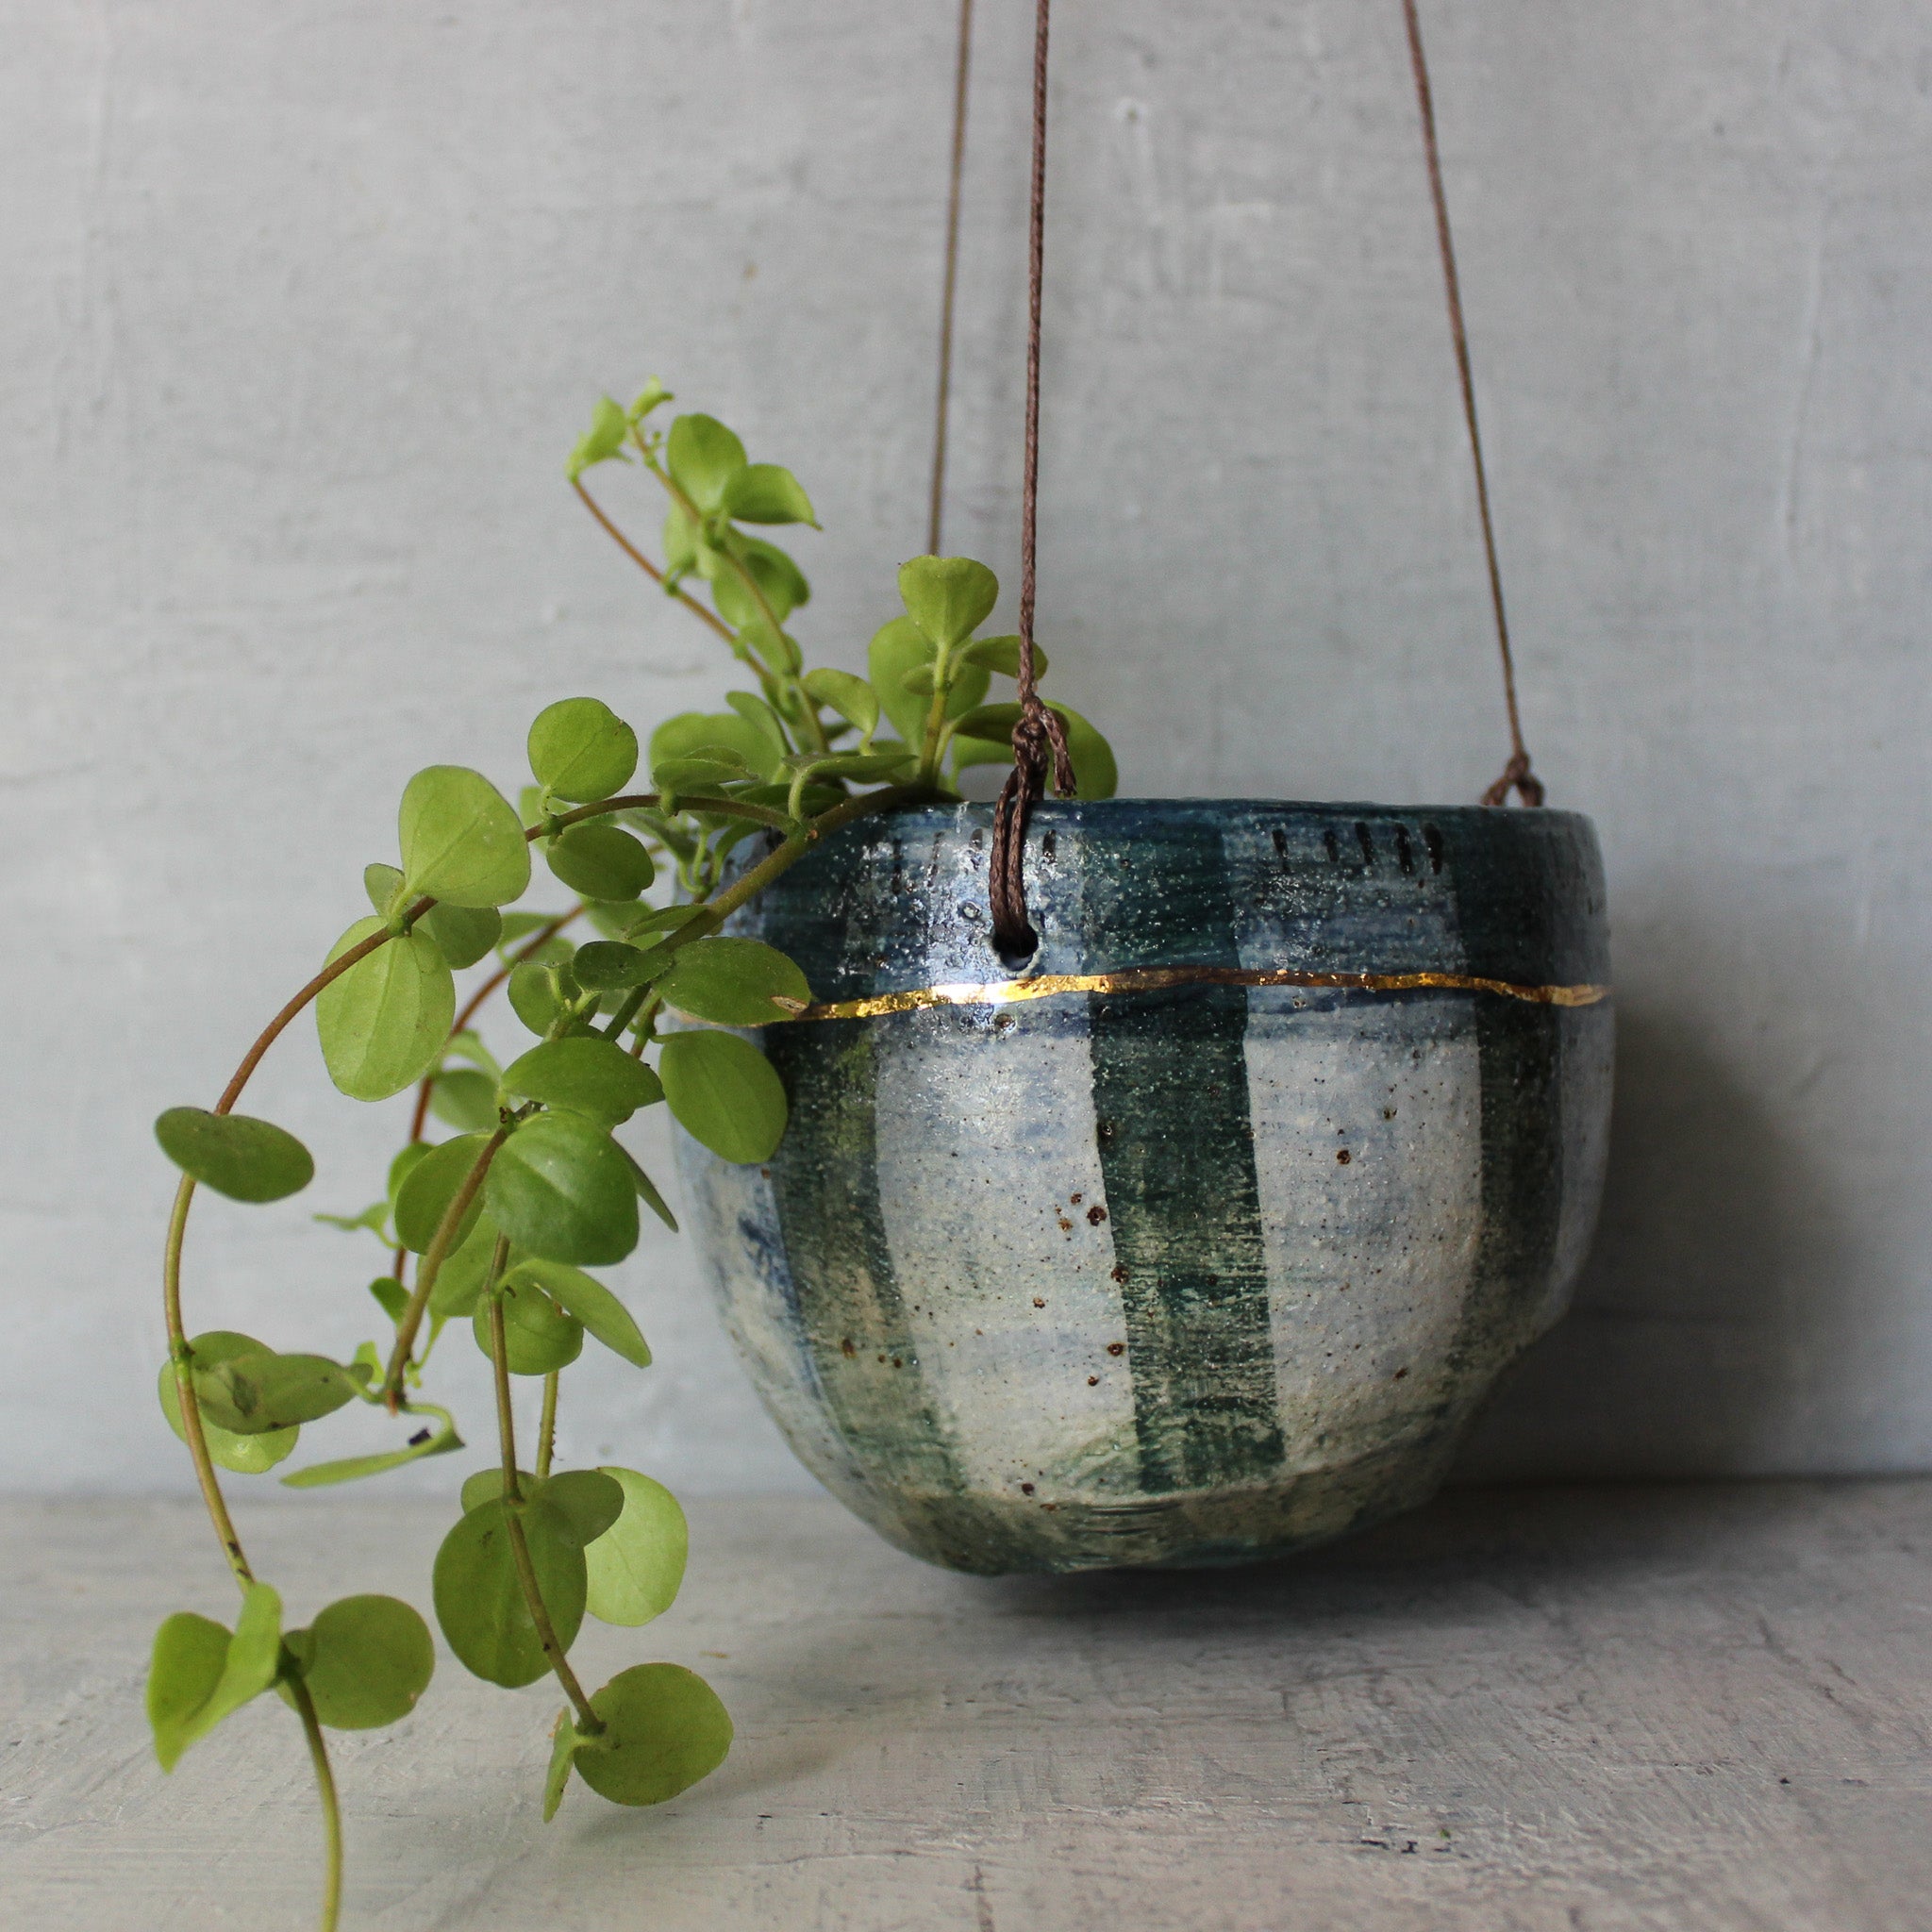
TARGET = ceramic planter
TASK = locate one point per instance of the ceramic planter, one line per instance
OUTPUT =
(1203, 1238)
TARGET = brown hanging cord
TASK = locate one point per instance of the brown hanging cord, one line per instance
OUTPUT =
(1517, 776)
(1038, 731)
(950, 285)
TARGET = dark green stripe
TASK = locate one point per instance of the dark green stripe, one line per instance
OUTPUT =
(1177, 1155)
(824, 1180)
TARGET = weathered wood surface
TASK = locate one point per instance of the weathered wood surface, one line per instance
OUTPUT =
(1686, 1707)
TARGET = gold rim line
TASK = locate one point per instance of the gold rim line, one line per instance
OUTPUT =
(1005, 992)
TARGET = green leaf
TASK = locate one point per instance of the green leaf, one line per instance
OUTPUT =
(636, 1567)
(614, 966)
(372, 1219)
(601, 861)
(349, 1469)
(779, 579)
(254, 1392)
(538, 994)
(562, 1189)
(464, 1099)
(588, 1501)
(896, 648)
(382, 1024)
(404, 1164)
(603, 440)
(581, 750)
(983, 735)
(390, 1296)
(710, 732)
(852, 698)
(593, 1304)
(665, 1728)
(764, 721)
(384, 885)
(250, 1455)
(704, 459)
(1001, 655)
(486, 1486)
(648, 1195)
(461, 841)
(588, 1075)
(734, 982)
(200, 1675)
(777, 648)
(234, 1154)
(563, 1745)
(479, 1599)
(724, 1094)
(463, 933)
(464, 1273)
(704, 772)
(520, 925)
(948, 597)
(433, 1183)
(766, 493)
(648, 398)
(365, 1659)
(664, 919)
(538, 1336)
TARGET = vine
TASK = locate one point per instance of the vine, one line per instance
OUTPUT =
(503, 1218)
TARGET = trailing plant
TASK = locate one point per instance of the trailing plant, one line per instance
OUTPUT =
(496, 1227)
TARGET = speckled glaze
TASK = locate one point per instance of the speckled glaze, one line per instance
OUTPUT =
(1189, 1276)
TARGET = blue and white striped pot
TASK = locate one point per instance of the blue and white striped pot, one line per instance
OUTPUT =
(1203, 1238)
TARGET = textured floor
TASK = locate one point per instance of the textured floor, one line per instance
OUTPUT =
(1686, 1707)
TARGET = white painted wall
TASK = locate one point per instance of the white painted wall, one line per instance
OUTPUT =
(305, 303)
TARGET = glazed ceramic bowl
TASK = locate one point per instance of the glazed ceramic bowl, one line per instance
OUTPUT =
(1201, 1237)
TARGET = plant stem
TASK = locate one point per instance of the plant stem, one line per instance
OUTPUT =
(546, 1426)
(184, 1388)
(588, 1720)
(650, 569)
(431, 1265)
(331, 1808)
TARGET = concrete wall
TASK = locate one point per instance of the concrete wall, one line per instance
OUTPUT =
(305, 304)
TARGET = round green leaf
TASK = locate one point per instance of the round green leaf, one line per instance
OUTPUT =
(948, 597)
(461, 841)
(432, 1184)
(588, 1501)
(593, 1304)
(382, 883)
(1001, 654)
(724, 1094)
(665, 1728)
(244, 1455)
(852, 698)
(586, 1074)
(184, 1699)
(688, 733)
(704, 459)
(563, 1189)
(613, 965)
(779, 579)
(234, 1154)
(463, 934)
(767, 494)
(538, 1336)
(464, 1099)
(486, 1486)
(366, 1660)
(636, 1566)
(581, 750)
(601, 861)
(734, 982)
(536, 993)
(254, 1393)
(479, 1598)
(384, 1022)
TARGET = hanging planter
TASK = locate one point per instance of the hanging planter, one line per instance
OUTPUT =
(1203, 1239)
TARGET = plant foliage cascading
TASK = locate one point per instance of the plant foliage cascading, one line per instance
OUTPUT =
(497, 1226)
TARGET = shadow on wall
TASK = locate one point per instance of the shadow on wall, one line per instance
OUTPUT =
(1677, 1356)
